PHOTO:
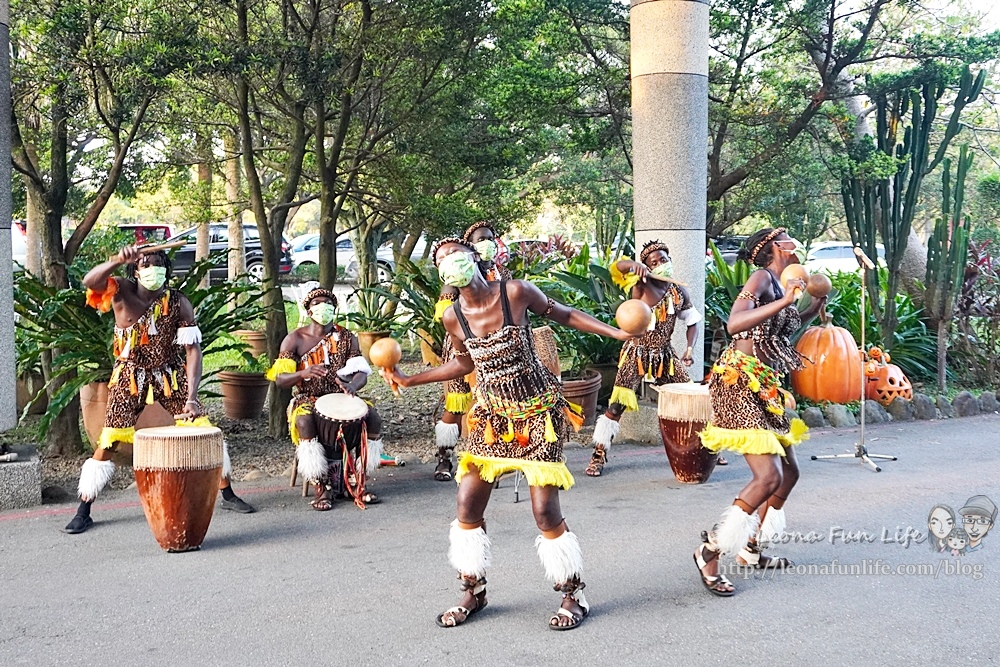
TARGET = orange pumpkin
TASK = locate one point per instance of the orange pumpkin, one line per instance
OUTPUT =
(788, 398)
(888, 384)
(833, 370)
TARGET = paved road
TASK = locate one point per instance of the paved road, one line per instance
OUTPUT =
(288, 586)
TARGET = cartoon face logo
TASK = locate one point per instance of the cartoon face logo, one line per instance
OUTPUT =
(940, 523)
(978, 517)
(957, 540)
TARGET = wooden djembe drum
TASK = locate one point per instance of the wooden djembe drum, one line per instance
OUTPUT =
(177, 471)
(683, 411)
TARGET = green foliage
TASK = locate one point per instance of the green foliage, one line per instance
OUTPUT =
(250, 365)
(723, 284)
(418, 293)
(374, 309)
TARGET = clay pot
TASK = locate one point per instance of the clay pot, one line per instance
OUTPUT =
(583, 391)
(28, 386)
(94, 406)
(257, 340)
(608, 373)
(243, 394)
(365, 340)
(427, 353)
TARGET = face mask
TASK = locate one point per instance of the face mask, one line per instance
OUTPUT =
(456, 270)
(487, 249)
(664, 270)
(152, 277)
(322, 313)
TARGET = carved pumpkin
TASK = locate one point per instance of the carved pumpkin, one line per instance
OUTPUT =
(833, 369)
(888, 384)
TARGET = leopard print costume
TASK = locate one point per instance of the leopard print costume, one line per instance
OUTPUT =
(149, 366)
(519, 419)
(652, 353)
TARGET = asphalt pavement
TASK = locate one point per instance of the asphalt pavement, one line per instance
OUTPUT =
(291, 586)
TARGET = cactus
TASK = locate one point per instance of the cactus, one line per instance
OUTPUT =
(886, 203)
(947, 252)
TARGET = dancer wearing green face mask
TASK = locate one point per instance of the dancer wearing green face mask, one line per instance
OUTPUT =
(318, 359)
(650, 355)
(157, 348)
(457, 393)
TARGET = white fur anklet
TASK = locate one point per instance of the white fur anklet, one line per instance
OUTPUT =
(94, 477)
(375, 451)
(735, 529)
(227, 463)
(605, 430)
(561, 557)
(312, 463)
(446, 435)
(773, 526)
(469, 550)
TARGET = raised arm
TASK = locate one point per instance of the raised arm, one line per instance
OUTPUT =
(535, 300)
(745, 315)
(97, 278)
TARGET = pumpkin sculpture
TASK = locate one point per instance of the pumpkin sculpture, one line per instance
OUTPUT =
(887, 384)
(832, 369)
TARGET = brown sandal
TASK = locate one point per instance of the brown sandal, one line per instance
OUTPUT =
(323, 502)
(716, 585)
(597, 462)
(478, 588)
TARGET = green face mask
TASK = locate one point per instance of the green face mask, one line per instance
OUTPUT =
(322, 313)
(664, 270)
(152, 277)
(487, 249)
(457, 269)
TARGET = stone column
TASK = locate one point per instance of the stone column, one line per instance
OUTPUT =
(8, 409)
(670, 139)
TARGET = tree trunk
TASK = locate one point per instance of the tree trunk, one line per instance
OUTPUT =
(33, 238)
(203, 201)
(237, 253)
(942, 355)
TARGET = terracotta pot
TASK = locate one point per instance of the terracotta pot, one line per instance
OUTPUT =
(94, 406)
(257, 340)
(366, 338)
(427, 353)
(28, 386)
(243, 394)
(608, 373)
(583, 392)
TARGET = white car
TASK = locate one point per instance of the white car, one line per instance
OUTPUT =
(18, 247)
(836, 257)
(305, 250)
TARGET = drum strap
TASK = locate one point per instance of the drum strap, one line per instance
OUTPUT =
(355, 467)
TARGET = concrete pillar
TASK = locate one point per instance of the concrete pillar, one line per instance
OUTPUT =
(670, 138)
(8, 408)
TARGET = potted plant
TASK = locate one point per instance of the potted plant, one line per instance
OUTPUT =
(372, 320)
(252, 334)
(417, 293)
(244, 387)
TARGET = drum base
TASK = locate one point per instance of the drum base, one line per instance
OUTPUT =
(690, 461)
(178, 505)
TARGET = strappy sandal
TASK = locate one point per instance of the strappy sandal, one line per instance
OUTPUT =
(574, 591)
(714, 585)
(597, 462)
(322, 502)
(442, 472)
(750, 556)
(370, 498)
(478, 588)
(722, 462)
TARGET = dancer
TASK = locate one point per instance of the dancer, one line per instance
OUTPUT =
(518, 422)
(650, 355)
(318, 359)
(457, 393)
(749, 412)
(157, 347)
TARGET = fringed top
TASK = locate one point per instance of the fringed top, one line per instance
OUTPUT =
(771, 338)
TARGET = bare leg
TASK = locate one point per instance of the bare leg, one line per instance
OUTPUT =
(555, 536)
(467, 552)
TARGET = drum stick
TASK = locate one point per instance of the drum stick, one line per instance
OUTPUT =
(145, 250)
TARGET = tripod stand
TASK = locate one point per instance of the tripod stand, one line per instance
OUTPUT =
(860, 450)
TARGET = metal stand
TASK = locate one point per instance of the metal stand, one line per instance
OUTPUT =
(860, 451)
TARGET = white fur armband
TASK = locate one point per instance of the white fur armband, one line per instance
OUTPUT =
(355, 365)
(189, 335)
(689, 316)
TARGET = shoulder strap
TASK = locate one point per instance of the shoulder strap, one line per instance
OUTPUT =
(505, 304)
(464, 323)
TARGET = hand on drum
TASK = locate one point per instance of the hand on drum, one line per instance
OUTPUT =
(347, 387)
(192, 410)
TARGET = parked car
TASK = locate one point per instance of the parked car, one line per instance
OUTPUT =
(219, 240)
(305, 250)
(836, 256)
(385, 258)
(149, 233)
(18, 247)
(729, 247)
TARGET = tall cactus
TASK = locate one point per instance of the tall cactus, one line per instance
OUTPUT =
(886, 204)
(947, 252)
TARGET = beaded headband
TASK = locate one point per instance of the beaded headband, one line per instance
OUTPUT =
(467, 236)
(767, 239)
(319, 291)
(446, 240)
(649, 247)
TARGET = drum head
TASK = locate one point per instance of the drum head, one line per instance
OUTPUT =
(341, 407)
(174, 432)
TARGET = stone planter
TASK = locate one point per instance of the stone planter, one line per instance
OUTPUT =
(94, 405)
(243, 394)
(366, 338)
(257, 340)
(583, 391)
(28, 386)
